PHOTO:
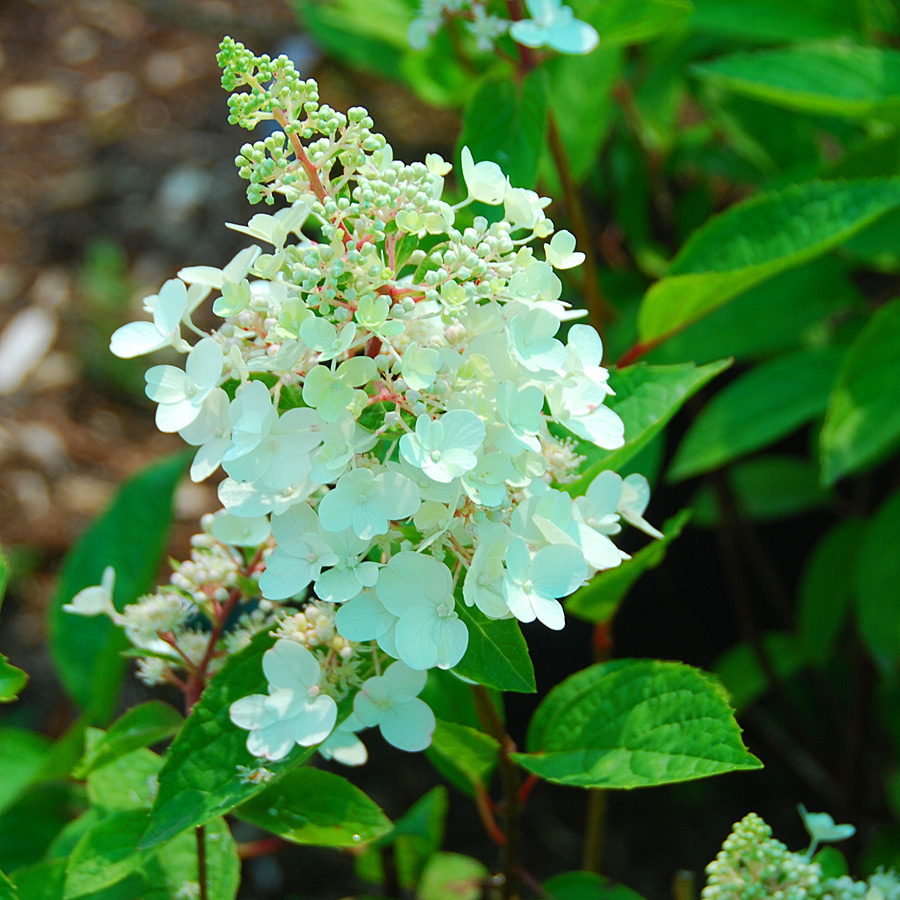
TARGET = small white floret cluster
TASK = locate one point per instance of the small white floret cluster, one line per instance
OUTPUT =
(389, 394)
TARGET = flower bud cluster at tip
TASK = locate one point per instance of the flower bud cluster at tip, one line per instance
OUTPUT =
(393, 409)
(753, 865)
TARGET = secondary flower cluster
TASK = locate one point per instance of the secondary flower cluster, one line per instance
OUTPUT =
(389, 395)
(552, 24)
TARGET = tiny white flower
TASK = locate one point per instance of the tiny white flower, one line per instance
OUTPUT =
(561, 252)
(520, 411)
(274, 229)
(633, 502)
(554, 25)
(320, 335)
(523, 208)
(577, 404)
(211, 432)
(420, 366)
(350, 574)
(444, 448)
(365, 618)
(248, 499)
(585, 350)
(368, 503)
(231, 281)
(139, 338)
(239, 531)
(97, 599)
(391, 702)
(341, 441)
(483, 586)
(331, 393)
(486, 483)
(822, 829)
(485, 181)
(533, 344)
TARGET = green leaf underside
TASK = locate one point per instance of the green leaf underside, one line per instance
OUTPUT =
(464, 756)
(833, 80)
(877, 584)
(497, 655)
(140, 726)
(863, 418)
(505, 123)
(310, 806)
(756, 239)
(586, 886)
(765, 488)
(600, 600)
(826, 588)
(646, 398)
(130, 536)
(743, 676)
(199, 780)
(634, 723)
(12, 680)
(757, 409)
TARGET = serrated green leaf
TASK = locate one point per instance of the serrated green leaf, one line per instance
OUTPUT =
(12, 680)
(646, 399)
(416, 836)
(840, 79)
(199, 780)
(22, 756)
(505, 123)
(130, 536)
(756, 239)
(497, 655)
(765, 488)
(743, 676)
(452, 876)
(128, 782)
(599, 600)
(310, 806)
(465, 756)
(624, 22)
(877, 584)
(863, 418)
(825, 591)
(775, 21)
(634, 723)
(586, 886)
(140, 726)
(757, 409)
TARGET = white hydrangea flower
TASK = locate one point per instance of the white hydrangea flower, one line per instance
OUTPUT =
(344, 746)
(274, 229)
(485, 181)
(533, 343)
(140, 338)
(294, 712)
(420, 366)
(554, 25)
(577, 404)
(444, 448)
(350, 574)
(342, 440)
(634, 499)
(391, 701)
(365, 618)
(96, 600)
(524, 209)
(331, 393)
(483, 586)
(418, 590)
(239, 532)
(231, 281)
(561, 252)
(320, 335)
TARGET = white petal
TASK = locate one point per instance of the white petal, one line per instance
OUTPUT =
(316, 722)
(290, 665)
(408, 726)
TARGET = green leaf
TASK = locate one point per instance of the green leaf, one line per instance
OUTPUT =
(131, 536)
(586, 886)
(310, 806)
(863, 418)
(30, 825)
(742, 674)
(877, 584)
(416, 836)
(4, 577)
(12, 680)
(757, 409)
(599, 600)
(452, 876)
(141, 726)
(465, 756)
(125, 783)
(840, 79)
(199, 780)
(767, 487)
(774, 20)
(505, 123)
(7, 889)
(22, 756)
(826, 588)
(634, 723)
(756, 239)
(497, 655)
(623, 22)
(646, 399)
(450, 698)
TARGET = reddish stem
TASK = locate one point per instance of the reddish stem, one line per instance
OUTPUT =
(262, 847)
(527, 787)
(485, 806)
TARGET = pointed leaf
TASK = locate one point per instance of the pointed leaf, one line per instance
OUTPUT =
(465, 756)
(12, 680)
(756, 239)
(634, 723)
(130, 536)
(309, 806)
(863, 418)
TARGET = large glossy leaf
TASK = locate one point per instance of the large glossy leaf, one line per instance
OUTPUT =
(634, 723)
(863, 418)
(309, 806)
(755, 240)
(646, 399)
(826, 589)
(622, 22)
(465, 756)
(505, 123)
(199, 780)
(140, 726)
(877, 584)
(840, 79)
(599, 600)
(497, 655)
(761, 407)
(131, 537)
